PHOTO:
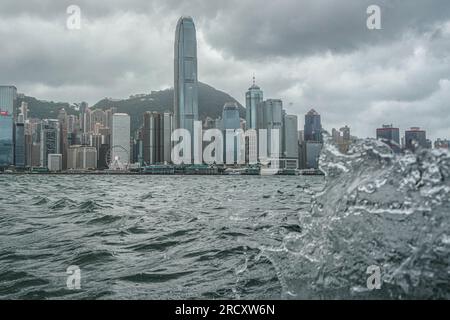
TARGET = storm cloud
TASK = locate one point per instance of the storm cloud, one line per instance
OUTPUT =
(308, 53)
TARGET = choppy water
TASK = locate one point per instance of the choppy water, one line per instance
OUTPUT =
(167, 237)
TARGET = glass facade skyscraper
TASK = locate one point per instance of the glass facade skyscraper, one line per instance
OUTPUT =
(185, 75)
(391, 136)
(312, 139)
(270, 117)
(50, 140)
(120, 143)
(290, 136)
(19, 146)
(253, 97)
(230, 116)
(8, 96)
(230, 123)
(6, 141)
(157, 130)
(415, 137)
(313, 126)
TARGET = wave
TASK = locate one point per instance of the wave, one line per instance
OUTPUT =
(377, 209)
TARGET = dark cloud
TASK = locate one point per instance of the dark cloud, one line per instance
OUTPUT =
(308, 53)
(253, 29)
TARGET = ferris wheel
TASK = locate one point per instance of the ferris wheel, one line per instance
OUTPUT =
(117, 163)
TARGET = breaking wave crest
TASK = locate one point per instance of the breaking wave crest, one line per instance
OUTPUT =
(376, 209)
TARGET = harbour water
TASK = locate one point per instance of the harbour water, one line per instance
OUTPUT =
(152, 237)
(212, 237)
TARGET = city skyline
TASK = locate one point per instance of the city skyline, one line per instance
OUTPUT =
(199, 152)
(348, 73)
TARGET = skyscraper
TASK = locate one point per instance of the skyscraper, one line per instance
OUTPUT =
(120, 143)
(390, 135)
(167, 132)
(185, 75)
(50, 140)
(442, 144)
(8, 96)
(19, 146)
(156, 137)
(342, 138)
(24, 110)
(98, 116)
(54, 162)
(82, 157)
(290, 136)
(313, 149)
(230, 123)
(270, 117)
(230, 116)
(312, 139)
(415, 136)
(313, 126)
(253, 97)
(63, 124)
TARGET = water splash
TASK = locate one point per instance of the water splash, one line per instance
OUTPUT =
(377, 208)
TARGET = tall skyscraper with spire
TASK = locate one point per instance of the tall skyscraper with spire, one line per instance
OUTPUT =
(185, 72)
(253, 97)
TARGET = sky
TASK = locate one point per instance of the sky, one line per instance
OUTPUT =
(310, 53)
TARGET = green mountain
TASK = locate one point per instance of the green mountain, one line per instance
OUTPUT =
(211, 102)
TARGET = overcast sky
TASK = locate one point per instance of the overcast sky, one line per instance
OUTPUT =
(310, 53)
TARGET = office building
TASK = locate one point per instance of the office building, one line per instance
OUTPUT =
(270, 117)
(156, 137)
(290, 136)
(253, 97)
(312, 140)
(342, 138)
(102, 157)
(24, 110)
(120, 138)
(63, 125)
(8, 96)
(313, 126)
(415, 138)
(36, 154)
(6, 141)
(167, 131)
(50, 140)
(98, 120)
(82, 158)
(231, 142)
(442, 144)
(54, 162)
(185, 76)
(391, 136)
(19, 147)
(313, 149)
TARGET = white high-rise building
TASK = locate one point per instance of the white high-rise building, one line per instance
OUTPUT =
(270, 117)
(290, 136)
(54, 162)
(120, 138)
